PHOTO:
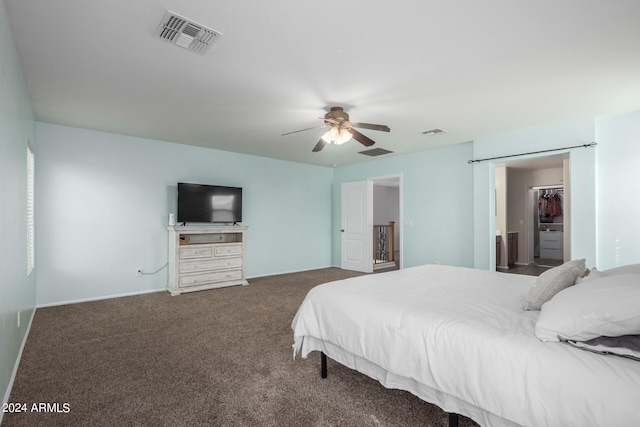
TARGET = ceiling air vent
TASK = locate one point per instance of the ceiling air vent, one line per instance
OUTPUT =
(185, 33)
(375, 152)
(434, 132)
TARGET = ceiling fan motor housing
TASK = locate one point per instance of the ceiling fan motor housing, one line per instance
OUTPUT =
(337, 114)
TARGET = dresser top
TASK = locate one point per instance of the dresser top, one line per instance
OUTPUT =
(206, 229)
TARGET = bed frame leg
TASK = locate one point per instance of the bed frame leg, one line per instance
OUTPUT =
(323, 365)
(453, 418)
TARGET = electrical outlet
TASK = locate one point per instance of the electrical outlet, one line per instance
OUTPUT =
(18, 318)
(139, 272)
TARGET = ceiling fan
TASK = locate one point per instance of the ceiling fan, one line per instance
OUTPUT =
(342, 130)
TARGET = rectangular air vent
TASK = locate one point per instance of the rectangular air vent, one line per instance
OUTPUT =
(375, 152)
(186, 33)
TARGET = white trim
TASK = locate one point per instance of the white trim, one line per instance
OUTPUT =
(128, 294)
(17, 364)
(291, 272)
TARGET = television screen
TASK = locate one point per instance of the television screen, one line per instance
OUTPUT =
(209, 203)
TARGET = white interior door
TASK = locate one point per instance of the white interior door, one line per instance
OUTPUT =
(357, 226)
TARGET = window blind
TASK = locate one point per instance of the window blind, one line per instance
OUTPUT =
(30, 209)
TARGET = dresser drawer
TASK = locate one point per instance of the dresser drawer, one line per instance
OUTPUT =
(196, 251)
(210, 251)
(551, 240)
(209, 264)
(547, 253)
(227, 250)
(211, 277)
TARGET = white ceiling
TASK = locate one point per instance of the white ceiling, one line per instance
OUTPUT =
(473, 68)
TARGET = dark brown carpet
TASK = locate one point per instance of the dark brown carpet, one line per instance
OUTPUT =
(221, 357)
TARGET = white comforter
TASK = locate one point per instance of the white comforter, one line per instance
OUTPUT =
(459, 338)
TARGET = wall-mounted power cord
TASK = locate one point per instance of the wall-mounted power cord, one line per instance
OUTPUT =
(139, 271)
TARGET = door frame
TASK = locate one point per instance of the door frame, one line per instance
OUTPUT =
(539, 162)
(399, 228)
(396, 179)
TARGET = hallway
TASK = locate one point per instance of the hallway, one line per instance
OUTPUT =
(538, 267)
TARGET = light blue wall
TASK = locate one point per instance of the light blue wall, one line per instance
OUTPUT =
(104, 201)
(618, 194)
(117, 190)
(17, 290)
(582, 177)
(436, 196)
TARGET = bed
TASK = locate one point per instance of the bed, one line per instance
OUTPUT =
(474, 343)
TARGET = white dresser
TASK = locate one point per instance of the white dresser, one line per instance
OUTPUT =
(205, 257)
(551, 245)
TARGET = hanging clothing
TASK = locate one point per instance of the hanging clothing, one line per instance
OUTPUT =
(549, 206)
(542, 207)
(554, 206)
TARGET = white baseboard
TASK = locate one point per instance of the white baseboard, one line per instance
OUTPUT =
(17, 364)
(128, 294)
(291, 271)
(384, 265)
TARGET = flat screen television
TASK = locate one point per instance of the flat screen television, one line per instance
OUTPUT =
(209, 203)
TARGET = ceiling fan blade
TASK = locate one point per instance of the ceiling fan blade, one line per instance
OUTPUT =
(362, 139)
(329, 121)
(383, 128)
(319, 146)
(302, 130)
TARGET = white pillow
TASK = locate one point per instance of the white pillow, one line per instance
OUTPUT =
(591, 274)
(609, 306)
(551, 282)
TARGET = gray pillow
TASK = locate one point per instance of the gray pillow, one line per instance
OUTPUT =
(551, 282)
(625, 346)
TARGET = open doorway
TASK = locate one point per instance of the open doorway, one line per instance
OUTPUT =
(528, 240)
(386, 220)
(370, 239)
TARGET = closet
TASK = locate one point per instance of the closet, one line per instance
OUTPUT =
(549, 238)
(520, 185)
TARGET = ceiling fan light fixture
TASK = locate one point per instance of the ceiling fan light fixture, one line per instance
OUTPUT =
(336, 135)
